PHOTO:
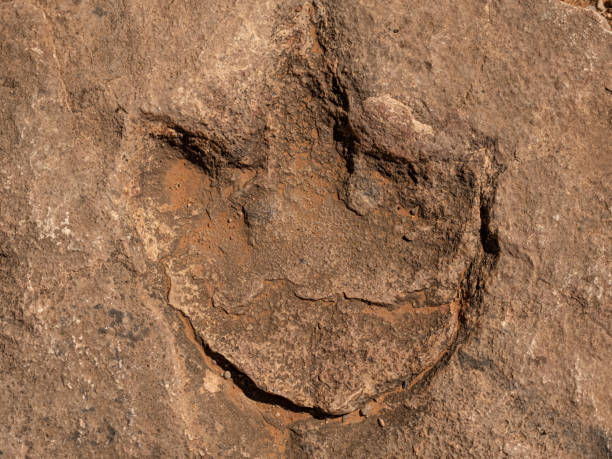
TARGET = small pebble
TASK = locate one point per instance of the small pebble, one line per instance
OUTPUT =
(405, 385)
(365, 411)
(227, 374)
(381, 422)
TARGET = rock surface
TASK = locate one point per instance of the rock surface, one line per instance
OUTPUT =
(225, 224)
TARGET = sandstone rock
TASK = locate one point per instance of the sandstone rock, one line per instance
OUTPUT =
(333, 203)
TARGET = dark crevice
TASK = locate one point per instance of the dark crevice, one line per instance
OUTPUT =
(470, 300)
(412, 173)
(473, 285)
(387, 306)
(247, 385)
(489, 240)
(340, 94)
(343, 132)
(210, 155)
(190, 146)
(345, 139)
(209, 161)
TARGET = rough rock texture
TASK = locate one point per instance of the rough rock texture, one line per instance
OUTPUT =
(224, 224)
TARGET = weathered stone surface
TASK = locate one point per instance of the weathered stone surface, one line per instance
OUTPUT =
(339, 203)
